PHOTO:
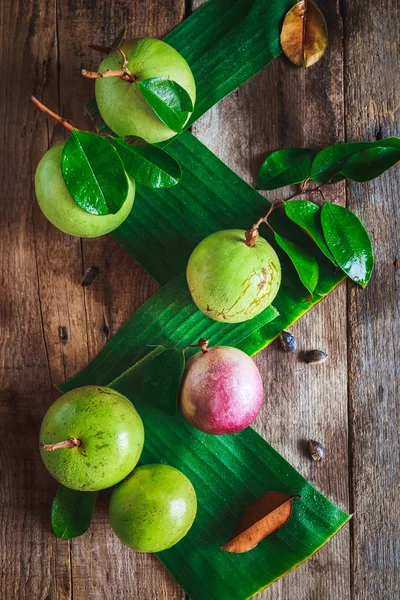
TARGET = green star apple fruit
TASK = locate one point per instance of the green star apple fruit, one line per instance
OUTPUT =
(153, 509)
(122, 104)
(231, 280)
(91, 438)
(60, 209)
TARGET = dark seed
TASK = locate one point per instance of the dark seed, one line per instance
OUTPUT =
(288, 341)
(63, 334)
(90, 276)
(315, 357)
(317, 451)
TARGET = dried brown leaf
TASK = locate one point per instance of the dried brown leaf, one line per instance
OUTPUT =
(304, 35)
(267, 514)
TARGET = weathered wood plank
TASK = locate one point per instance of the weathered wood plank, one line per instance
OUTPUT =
(33, 563)
(372, 79)
(101, 566)
(287, 107)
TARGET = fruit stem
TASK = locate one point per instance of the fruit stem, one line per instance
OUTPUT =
(124, 73)
(202, 344)
(49, 112)
(68, 443)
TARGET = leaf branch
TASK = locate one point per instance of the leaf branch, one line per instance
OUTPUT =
(49, 112)
(123, 73)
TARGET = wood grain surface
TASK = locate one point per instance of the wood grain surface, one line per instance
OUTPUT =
(50, 326)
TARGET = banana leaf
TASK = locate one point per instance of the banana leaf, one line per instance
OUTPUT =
(229, 473)
(226, 43)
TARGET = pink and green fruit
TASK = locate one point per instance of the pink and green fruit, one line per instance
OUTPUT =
(91, 438)
(122, 104)
(60, 209)
(230, 281)
(153, 509)
(221, 390)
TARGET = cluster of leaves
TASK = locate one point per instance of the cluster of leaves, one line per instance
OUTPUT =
(95, 167)
(358, 161)
(340, 236)
(336, 231)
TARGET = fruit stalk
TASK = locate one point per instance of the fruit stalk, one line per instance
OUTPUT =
(124, 73)
(202, 344)
(49, 112)
(69, 443)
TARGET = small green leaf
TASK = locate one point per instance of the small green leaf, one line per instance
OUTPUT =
(329, 163)
(370, 163)
(119, 39)
(285, 167)
(71, 512)
(348, 241)
(148, 164)
(162, 380)
(170, 101)
(304, 262)
(308, 216)
(93, 173)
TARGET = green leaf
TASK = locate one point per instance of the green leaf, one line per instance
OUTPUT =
(163, 379)
(330, 162)
(169, 100)
(303, 261)
(370, 163)
(71, 512)
(285, 167)
(229, 473)
(148, 164)
(119, 39)
(348, 241)
(94, 173)
(308, 216)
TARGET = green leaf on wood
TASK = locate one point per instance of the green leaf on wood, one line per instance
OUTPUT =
(348, 241)
(285, 167)
(308, 216)
(169, 100)
(148, 164)
(370, 163)
(303, 261)
(329, 163)
(71, 512)
(162, 380)
(93, 173)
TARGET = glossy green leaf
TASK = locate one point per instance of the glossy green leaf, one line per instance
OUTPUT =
(148, 164)
(163, 379)
(308, 216)
(94, 173)
(370, 163)
(71, 512)
(330, 161)
(285, 167)
(228, 473)
(169, 100)
(348, 241)
(303, 261)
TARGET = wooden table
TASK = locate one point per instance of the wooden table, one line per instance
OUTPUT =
(51, 326)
